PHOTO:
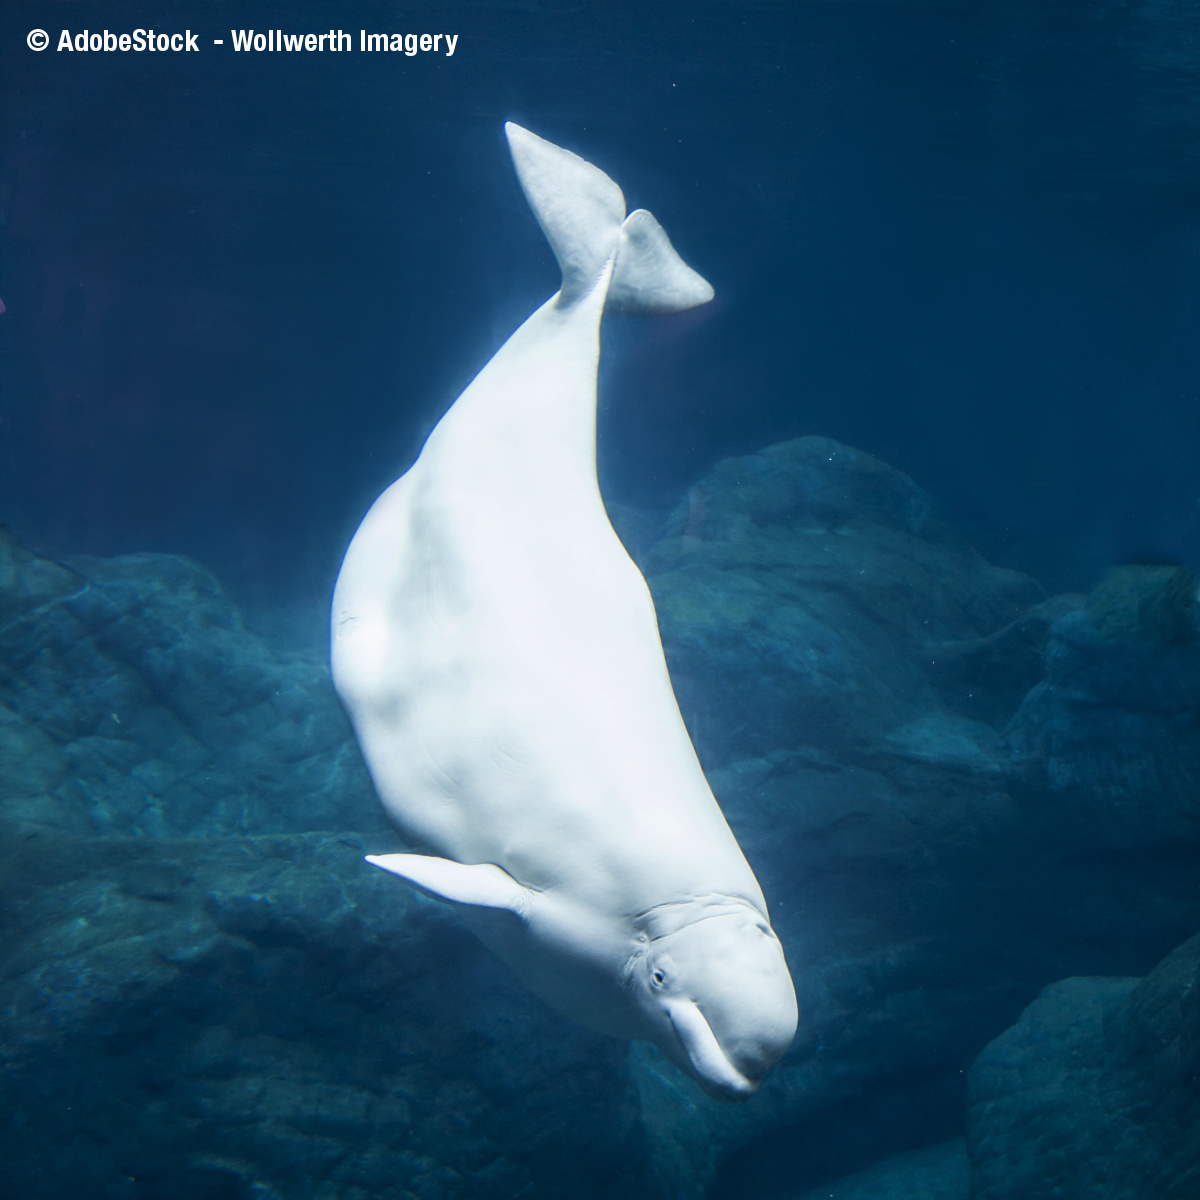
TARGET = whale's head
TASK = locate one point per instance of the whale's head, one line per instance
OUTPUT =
(718, 996)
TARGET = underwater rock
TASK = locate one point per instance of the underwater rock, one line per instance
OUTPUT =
(1093, 1094)
(1108, 746)
(804, 595)
(940, 1172)
(991, 676)
(182, 984)
(848, 667)
(134, 701)
(266, 1017)
(798, 591)
(220, 1016)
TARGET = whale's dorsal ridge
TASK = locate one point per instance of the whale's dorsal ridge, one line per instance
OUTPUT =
(582, 213)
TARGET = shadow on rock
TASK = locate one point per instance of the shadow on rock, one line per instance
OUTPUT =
(1094, 1093)
(952, 789)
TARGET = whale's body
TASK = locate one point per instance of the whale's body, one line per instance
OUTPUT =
(499, 656)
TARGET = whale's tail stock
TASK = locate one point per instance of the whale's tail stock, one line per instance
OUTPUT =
(582, 213)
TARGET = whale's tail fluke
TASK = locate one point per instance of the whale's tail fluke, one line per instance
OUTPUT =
(582, 213)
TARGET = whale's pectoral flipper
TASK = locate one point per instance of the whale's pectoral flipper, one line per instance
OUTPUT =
(482, 885)
(582, 213)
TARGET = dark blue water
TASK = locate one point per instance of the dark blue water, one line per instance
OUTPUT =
(961, 236)
(240, 289)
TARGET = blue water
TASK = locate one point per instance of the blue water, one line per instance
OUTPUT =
(241, 287)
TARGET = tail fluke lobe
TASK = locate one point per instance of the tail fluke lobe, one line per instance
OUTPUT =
(650, 279)
(578, 207)
(582, 213)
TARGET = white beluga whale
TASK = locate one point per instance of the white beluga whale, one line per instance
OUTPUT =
(499, 656)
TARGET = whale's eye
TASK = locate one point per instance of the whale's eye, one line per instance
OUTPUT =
(658, 977)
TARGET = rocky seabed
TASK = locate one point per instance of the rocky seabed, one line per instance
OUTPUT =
(975, 810)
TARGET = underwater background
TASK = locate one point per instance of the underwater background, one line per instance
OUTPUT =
(917, 496)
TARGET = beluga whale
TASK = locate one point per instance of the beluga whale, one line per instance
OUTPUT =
(498, 653)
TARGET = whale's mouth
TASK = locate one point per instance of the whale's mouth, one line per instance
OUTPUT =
(710, 1064)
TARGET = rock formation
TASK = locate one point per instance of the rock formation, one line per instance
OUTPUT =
(1095, 1092)
(953, 790)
